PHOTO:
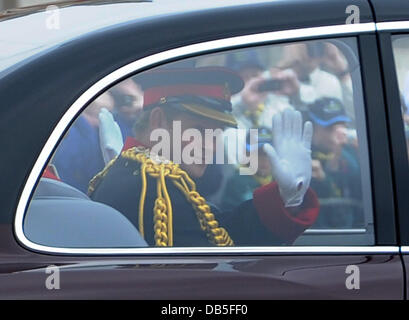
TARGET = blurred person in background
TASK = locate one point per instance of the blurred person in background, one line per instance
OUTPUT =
(405, 117)
(405, 111)
(263, 96)
(321, 71)
(79, 156)
(257, 103)
(405, 93)
(128, 98)
(240, 188)
(335, 165)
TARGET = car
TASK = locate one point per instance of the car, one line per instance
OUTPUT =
(68, 72)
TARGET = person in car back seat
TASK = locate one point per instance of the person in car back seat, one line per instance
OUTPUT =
(128, 103)
(160, 197)
(79, 157)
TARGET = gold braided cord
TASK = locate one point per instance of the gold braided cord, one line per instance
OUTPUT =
(160, 219)
(165, 194)
(163, 230)
(97, 178)
(142, 200)
(160, 168)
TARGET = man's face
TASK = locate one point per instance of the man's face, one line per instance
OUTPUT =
(296, 57)
(191, 121)
(331, 138)
(129, 99)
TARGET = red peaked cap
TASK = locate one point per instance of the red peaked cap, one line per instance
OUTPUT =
(208, 86)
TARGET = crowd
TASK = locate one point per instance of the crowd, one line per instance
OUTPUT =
(313, 78)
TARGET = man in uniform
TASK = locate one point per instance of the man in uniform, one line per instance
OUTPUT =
(160, 197)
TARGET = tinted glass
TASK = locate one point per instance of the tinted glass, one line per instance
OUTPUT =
(262, 146)
(401, 50)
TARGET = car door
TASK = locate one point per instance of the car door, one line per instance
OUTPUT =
(352, 255)
(392, 25)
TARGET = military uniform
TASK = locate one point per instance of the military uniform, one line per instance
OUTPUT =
(162, 201)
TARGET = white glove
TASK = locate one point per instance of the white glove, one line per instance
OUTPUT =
(110, 136)
(291, 156)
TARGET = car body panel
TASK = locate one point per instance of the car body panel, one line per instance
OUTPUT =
(33, 102)
(268, 277)
(389, 15)
(393, 18)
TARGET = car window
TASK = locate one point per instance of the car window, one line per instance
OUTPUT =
(261, 146)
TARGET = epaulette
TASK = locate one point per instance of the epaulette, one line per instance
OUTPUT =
(96, 180)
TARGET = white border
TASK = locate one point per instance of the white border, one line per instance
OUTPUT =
(148, 61)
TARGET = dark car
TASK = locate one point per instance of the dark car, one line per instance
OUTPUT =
(88, 211)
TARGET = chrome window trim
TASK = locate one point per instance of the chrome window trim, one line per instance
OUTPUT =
(404, 249)
(216, 251)
(162, 57)
(335, 231)
(392, 25)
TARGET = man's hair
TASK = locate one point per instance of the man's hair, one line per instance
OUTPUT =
(142, 122)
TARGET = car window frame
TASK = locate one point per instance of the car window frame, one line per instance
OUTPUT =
(168, 56)
(386, 32)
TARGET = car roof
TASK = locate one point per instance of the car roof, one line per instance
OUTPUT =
(24, 32)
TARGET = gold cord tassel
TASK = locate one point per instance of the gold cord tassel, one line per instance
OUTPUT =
(160, 219)
(142, 200)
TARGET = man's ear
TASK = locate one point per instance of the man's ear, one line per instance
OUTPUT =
(157, 119)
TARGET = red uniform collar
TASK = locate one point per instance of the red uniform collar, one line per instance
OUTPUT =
(131, 142)
(50, 173)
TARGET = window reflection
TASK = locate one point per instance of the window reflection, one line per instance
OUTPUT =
(248, 147)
